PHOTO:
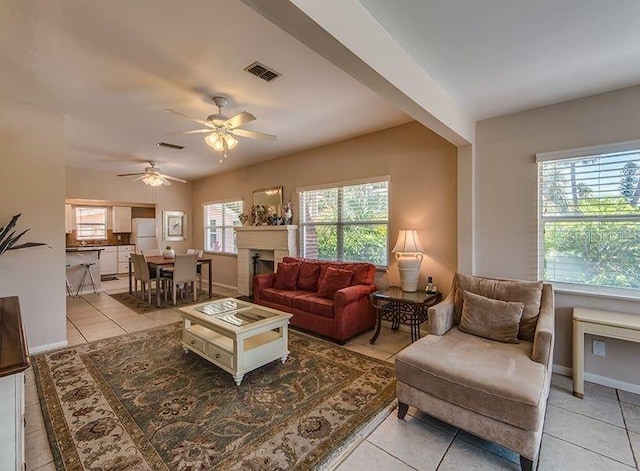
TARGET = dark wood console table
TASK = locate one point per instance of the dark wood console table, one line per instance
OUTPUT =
(402, 307)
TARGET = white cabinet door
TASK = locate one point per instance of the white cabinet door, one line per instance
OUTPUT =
(121, 217)
(109, 261)
(68, 219)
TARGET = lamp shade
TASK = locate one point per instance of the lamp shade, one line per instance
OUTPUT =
(408, 242)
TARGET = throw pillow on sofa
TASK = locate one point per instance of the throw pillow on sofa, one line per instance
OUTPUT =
(308, 276)
(491, 318)
(332, 281)
(287, 276)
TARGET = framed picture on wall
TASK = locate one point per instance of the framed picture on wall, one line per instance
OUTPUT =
(174, 225)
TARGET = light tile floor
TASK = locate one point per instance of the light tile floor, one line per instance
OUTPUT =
(600, 432)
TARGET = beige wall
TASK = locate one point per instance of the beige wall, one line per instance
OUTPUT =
(32, 182)
(92, 184)
(506, 204)
(422, 191)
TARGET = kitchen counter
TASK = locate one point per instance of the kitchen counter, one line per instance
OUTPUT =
(76, 258)
(85, 248)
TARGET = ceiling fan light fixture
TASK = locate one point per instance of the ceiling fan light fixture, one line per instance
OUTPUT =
(230, 140)
(215, 141)
(152, 180)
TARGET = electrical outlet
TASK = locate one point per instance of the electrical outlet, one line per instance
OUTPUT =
(598, 348)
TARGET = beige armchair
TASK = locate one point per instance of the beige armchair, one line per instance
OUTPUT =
(492, 389)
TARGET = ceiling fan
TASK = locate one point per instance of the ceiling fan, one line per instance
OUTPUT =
(222, 130)
(152, 176)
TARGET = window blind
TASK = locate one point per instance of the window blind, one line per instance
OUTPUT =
(589, 220)
(219, 224)
(346, 223)
(91, 223)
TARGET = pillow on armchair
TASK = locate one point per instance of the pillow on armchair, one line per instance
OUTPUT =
(491, 318)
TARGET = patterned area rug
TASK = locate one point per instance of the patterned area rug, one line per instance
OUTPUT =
(141, 306)
(139, 402)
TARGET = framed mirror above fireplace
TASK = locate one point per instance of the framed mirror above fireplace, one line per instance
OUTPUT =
(270, 198)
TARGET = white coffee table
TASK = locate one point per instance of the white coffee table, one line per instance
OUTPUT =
(234, 335)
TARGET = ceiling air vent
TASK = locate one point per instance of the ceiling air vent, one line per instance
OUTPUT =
(170, 146)
(262, 71)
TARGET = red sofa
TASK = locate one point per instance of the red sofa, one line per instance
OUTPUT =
(347, 314)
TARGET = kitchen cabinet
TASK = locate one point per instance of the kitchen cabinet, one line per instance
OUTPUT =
(121, 219)
(109, 260)
(68, 219)
(123, 257)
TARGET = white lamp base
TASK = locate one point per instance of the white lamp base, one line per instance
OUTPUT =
(409, 267)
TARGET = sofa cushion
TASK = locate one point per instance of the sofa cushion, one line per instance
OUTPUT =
(364, 273)
(314, 304)
(527, 292)
(497, 380)
(287, 275)
(491, 318)
(332, 281)
(281, 296)
(308, 276)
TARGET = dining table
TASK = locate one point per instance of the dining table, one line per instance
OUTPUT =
(159, 262)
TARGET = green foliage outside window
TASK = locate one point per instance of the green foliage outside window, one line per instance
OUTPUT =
(592, 223)
(347, 223)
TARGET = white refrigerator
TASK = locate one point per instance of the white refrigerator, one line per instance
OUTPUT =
(143, 233)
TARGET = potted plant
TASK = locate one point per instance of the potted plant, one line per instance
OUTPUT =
(169, 252)
(9, 239)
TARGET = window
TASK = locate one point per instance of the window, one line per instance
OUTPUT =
(219, 222)
(91, 223)
(349, 222)
(589, 218)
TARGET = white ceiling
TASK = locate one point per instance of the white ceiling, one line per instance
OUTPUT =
(113, 67)
(500, 56)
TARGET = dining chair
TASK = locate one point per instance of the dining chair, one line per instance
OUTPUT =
(184, 271)
(200, 253)
(142, 273)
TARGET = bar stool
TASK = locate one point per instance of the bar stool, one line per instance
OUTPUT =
(87, 269)
(69, 293)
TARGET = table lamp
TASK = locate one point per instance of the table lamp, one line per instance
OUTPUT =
(409, 256)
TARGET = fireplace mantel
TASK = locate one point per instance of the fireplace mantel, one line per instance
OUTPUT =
(277, 241)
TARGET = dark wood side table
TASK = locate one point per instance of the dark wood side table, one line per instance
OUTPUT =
(401, 307)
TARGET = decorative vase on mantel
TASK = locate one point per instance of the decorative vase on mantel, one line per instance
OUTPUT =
(169, 253)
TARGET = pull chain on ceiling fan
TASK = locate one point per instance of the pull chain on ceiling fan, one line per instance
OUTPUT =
(222, 130)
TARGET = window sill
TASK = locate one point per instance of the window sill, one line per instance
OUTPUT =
(602, 293)
(223, 254)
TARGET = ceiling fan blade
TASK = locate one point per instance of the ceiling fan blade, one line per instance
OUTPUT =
(253, 134)
(238, 120)
(139, 178)
(173, 178)
(195, 131)
(164, 180)
(204, 123)
(130, 174)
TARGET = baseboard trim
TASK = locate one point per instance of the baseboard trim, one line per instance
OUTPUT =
(598, 379)
(47, 347)
(222, 285)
